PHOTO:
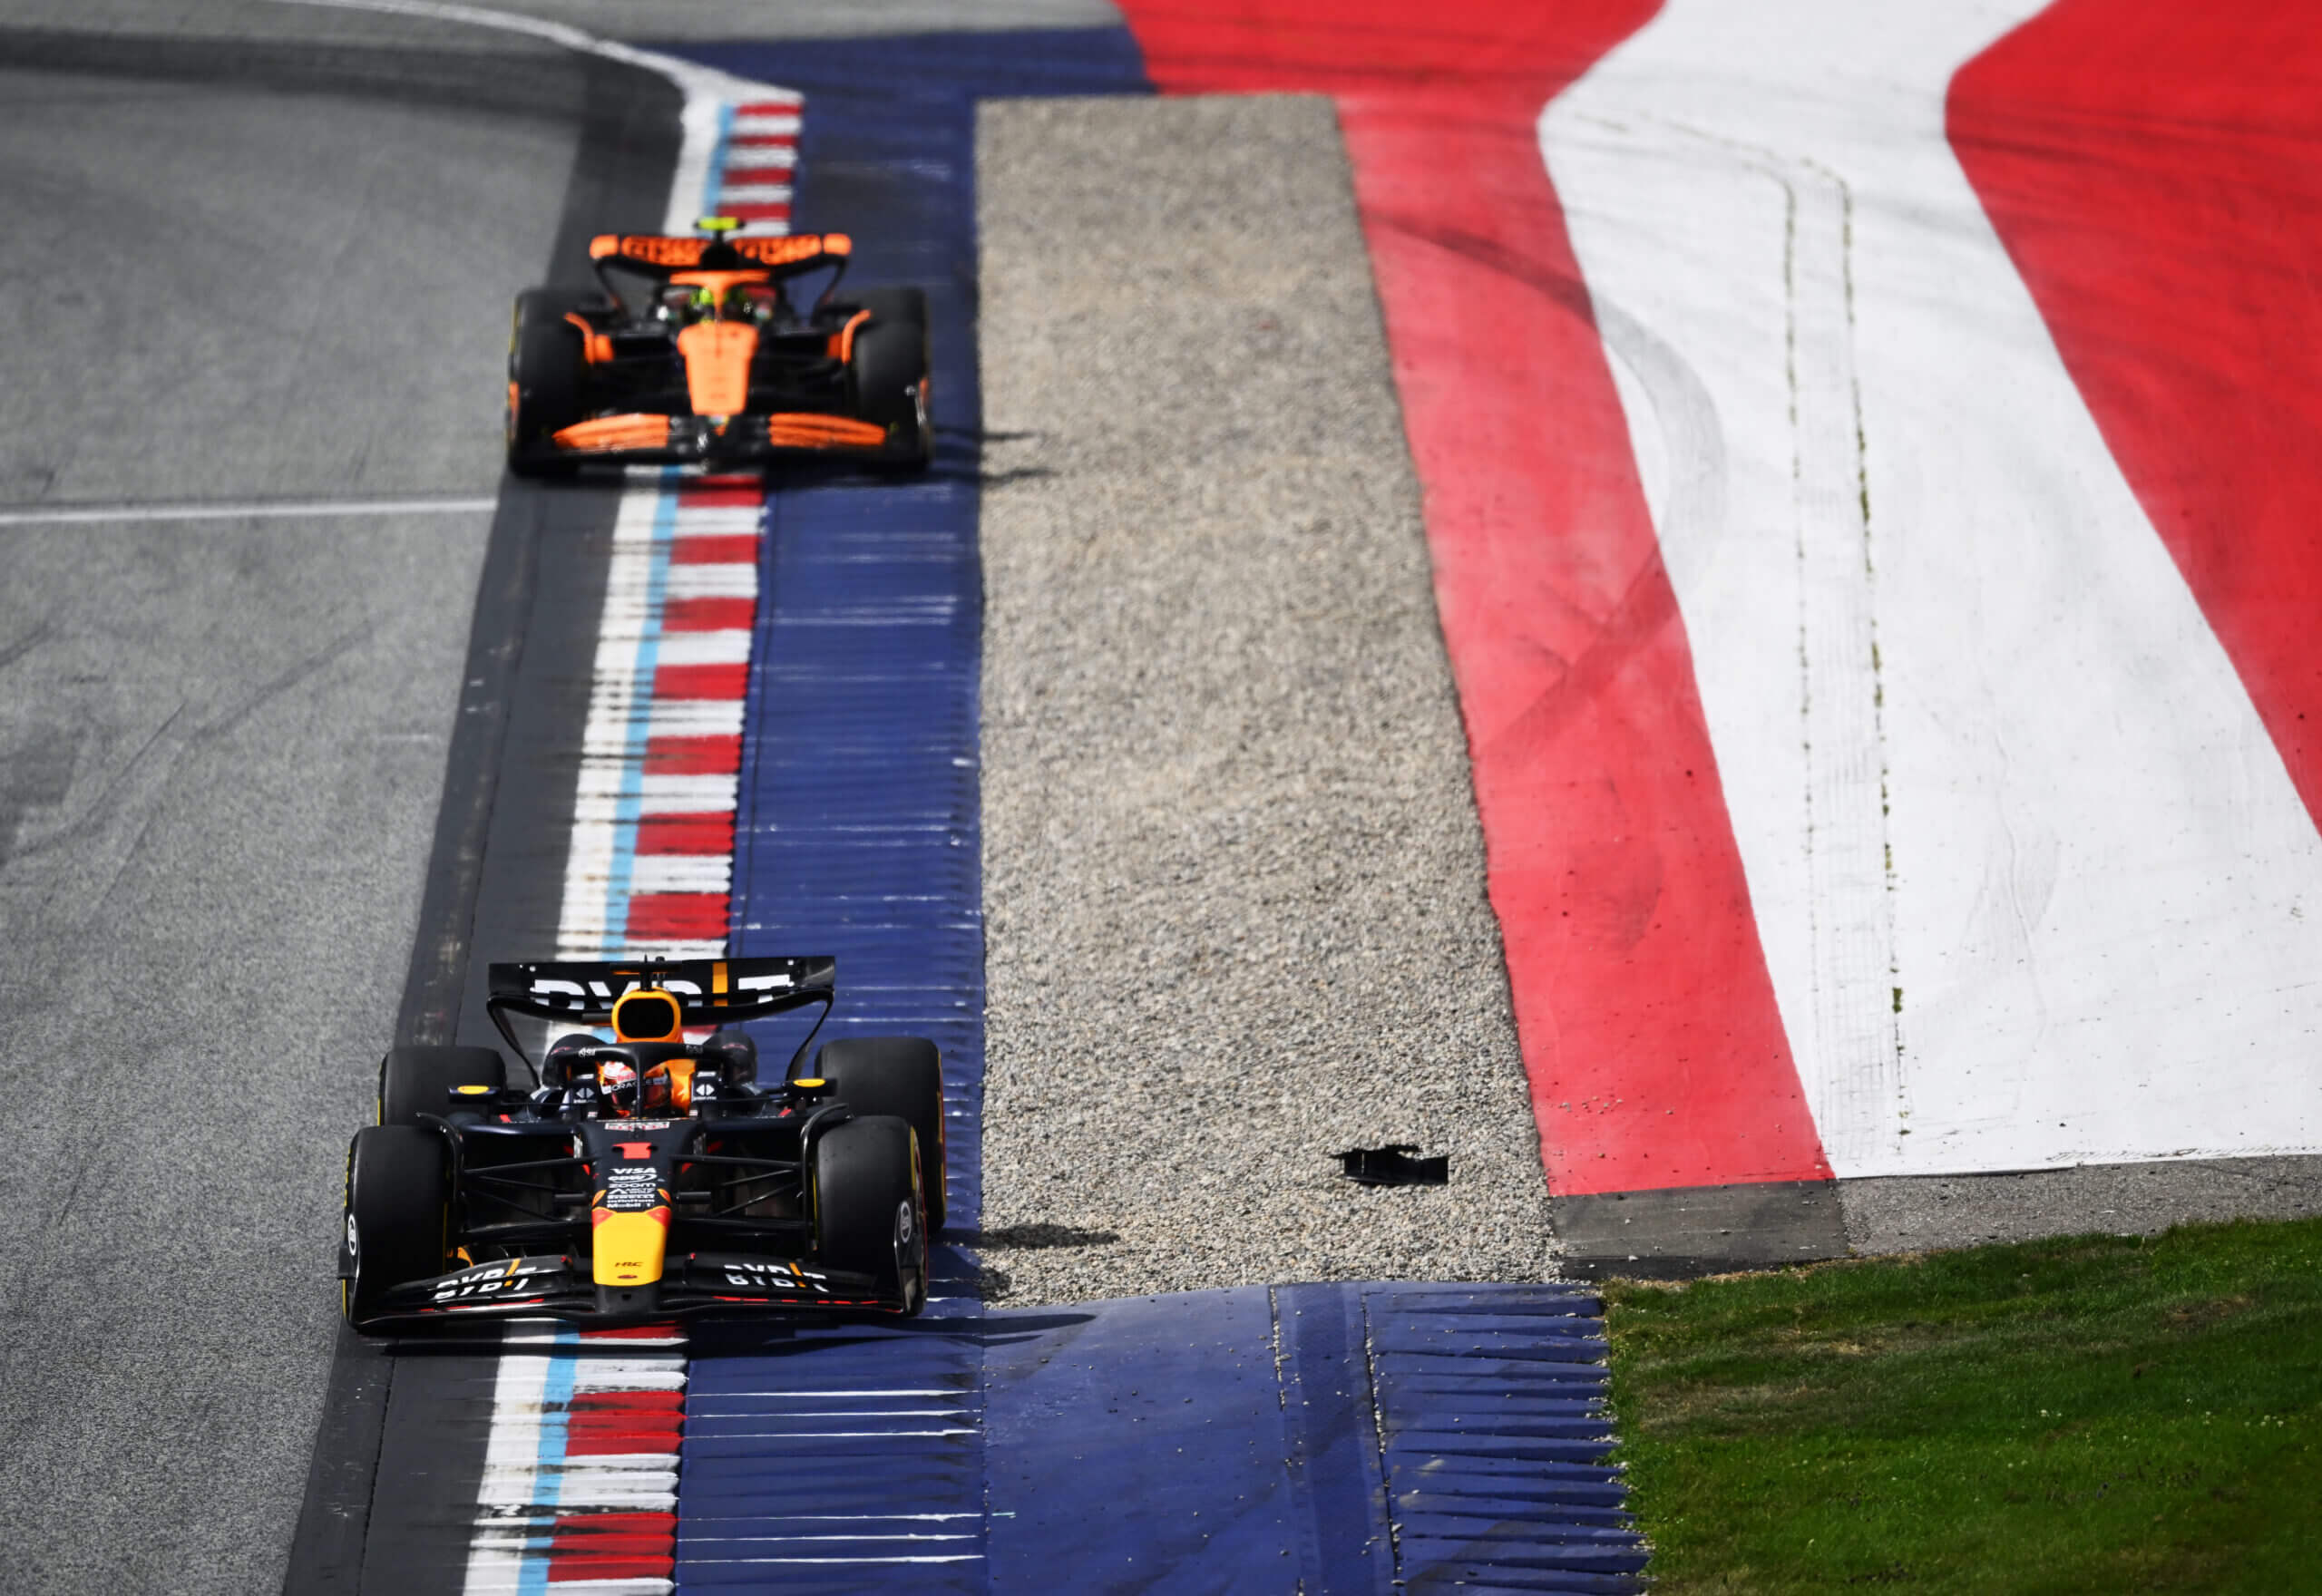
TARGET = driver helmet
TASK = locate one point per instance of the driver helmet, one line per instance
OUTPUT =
(653, 1091)
(616, 1079)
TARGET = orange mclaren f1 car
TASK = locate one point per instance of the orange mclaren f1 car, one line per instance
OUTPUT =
(710, 356)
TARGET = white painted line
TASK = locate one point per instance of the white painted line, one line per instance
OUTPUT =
(712, 581)
(687, 795)
(724, 648)
(694, 717)
(722, 520)
(252, 510)
(681, 872)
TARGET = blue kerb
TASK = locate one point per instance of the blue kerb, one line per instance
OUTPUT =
(857, 834)
(1352, 1438)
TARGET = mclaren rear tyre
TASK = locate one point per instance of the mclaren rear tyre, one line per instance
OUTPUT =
(547, 367)
(414, 1081)
(396, 1215)
(904, 1077)
(890, 371)
(891, 305)
(868, 1215)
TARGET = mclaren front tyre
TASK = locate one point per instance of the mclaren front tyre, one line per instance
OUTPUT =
(888, 369)
(547, 368)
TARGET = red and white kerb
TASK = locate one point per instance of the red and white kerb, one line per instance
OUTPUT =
(580, 1490)
(581, 1478)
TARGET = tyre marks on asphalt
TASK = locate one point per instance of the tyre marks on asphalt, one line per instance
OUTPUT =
(2149, 166)
(1934, 622)
(1993, 840)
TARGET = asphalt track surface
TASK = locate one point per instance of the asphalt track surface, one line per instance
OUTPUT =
(223, 740)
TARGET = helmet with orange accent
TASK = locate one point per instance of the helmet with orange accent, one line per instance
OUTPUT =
(617, 1078)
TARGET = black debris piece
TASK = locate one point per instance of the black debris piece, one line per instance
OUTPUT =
(1395, 1166)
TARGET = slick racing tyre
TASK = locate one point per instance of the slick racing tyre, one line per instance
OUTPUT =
(393, 1226)
(414, 1081)
(547, 367)
(890, 371)
(901, 1075)
(868, 1215)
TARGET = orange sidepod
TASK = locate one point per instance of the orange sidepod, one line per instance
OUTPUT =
(822, 431)
(610, 433)
(717, 366)
(629, 1247)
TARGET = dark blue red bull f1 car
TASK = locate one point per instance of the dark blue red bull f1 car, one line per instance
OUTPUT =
(642, 1175)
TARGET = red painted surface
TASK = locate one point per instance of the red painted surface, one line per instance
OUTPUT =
(2154, 168)
(1656, 1055)
(685, 833)
(721, 549)
(600, 1423)
(676, 917)
(701, 681)
(693, 756)
(709, 615)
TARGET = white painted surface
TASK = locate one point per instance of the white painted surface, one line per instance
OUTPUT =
(2104, 910)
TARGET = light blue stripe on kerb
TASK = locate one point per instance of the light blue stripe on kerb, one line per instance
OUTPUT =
(548, 1462)
(713, 177)
(630, 805)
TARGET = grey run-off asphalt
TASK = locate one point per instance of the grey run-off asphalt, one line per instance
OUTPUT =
(220, 744)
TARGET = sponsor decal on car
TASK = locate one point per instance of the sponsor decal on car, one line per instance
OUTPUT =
(547, 989)
(495, 1279)
(751, 1275)
(632, 1188)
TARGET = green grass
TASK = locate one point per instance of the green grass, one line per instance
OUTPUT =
(2095, 1414)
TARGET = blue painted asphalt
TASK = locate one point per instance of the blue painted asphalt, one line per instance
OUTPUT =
(855, 1461)
(1333, 1439)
